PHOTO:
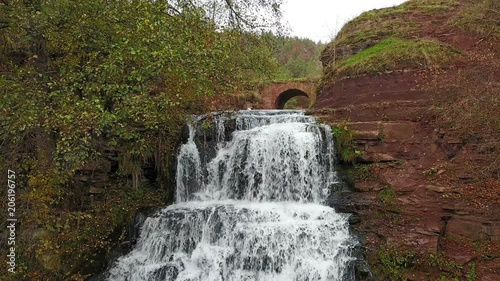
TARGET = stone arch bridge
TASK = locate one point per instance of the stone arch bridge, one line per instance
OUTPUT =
(276, 94)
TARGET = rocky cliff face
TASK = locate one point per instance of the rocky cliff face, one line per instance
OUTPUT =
(426, 181)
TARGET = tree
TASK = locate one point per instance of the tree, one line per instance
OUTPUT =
(96, 68)
(82, 78)
(297, 57)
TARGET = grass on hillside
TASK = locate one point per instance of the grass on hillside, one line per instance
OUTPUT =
(482, 18)
(430, 5)
(389, 22)
(395, 53)
(374, 26)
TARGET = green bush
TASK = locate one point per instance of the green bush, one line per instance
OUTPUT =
(344, 143)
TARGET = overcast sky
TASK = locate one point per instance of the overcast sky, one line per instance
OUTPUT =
(321, 19)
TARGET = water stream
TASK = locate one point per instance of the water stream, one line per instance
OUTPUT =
(248, 206)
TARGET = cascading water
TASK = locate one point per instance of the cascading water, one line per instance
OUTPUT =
(251, 211)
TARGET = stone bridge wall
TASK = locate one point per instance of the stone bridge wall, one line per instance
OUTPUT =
(275, 95)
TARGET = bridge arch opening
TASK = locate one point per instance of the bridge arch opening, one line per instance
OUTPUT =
(287, 95)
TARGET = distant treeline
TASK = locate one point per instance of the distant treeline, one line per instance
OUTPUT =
(297, 58)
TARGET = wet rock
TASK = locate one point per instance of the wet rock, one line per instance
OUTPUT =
(185, 134)
(133, 229)
(167, 272)
(229, 128)
(358, 268)
(354, 219)
(123, 248)
(348, 203)
(362, 271)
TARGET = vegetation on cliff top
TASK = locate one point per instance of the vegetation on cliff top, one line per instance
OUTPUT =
(385, 40)
(394, 53)
(375, 25)
(480, 17)
(408, 22)
(411, 36)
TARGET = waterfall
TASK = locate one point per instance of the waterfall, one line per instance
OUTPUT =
(248, 206)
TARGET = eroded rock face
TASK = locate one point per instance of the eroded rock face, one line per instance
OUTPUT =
(429, 200)
(407, 197)
(472, 227)
(209, 130)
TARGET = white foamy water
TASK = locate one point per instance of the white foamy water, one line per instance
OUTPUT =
(251, 212)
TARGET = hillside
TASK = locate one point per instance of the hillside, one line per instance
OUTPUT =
(417, 87)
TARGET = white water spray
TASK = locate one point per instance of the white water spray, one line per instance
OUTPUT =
(252, 212)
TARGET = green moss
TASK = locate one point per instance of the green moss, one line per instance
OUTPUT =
(387, 195)
(395, 53)
(472, 274)
(206, 125)
(359, 172)
(344, 143)
(391, 263)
